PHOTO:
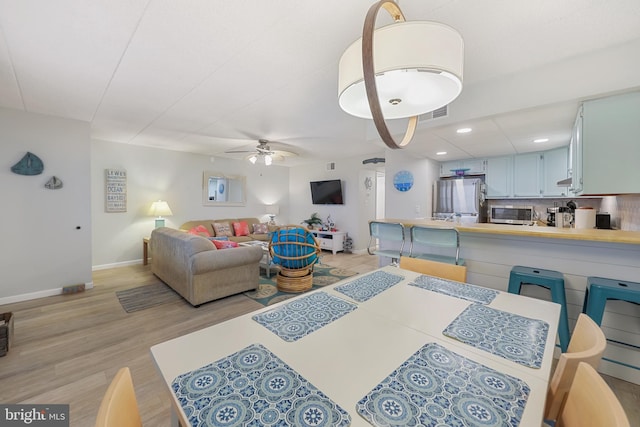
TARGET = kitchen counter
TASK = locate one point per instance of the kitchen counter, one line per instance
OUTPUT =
(491, 250)
(542, 231)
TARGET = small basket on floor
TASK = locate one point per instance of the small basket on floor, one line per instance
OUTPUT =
(6, 332)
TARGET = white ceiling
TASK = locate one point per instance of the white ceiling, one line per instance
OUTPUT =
(206, 76)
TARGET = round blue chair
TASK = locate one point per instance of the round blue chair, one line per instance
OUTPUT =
(296, 251)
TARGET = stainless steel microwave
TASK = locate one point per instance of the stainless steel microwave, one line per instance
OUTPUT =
(512, 214)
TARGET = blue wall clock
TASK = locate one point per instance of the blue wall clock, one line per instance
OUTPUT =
(403, 180)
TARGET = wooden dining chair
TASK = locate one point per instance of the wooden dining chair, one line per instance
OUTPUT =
(435, 268)
(587, 344)
(590, 402)
(119, 407)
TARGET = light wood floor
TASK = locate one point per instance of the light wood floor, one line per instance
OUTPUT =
(67, 348)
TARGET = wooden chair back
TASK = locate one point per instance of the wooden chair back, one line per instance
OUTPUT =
(587, 345)
(434, 268)
(590, 402)
(119, 407)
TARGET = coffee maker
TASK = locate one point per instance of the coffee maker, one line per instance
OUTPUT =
(554, 213)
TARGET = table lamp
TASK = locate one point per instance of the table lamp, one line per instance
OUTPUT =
(160, 209)
(272, 211)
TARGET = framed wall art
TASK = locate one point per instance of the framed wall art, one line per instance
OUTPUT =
(115, 190)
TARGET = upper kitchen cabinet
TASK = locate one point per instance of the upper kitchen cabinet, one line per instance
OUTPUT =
(499, 177)
(474, 166)
(609, 146)
(526, 175)
(555, 167)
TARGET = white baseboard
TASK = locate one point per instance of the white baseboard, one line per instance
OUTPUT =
(38, 294)
(116, 264)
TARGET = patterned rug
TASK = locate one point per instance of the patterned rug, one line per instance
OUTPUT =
(323, 275)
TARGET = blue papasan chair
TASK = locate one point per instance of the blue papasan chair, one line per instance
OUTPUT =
(296, 251)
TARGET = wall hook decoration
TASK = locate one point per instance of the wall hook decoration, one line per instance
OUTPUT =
(54, 183)
(30, 164)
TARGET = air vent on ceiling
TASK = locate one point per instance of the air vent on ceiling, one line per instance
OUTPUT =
(435, 114)
(331, 166)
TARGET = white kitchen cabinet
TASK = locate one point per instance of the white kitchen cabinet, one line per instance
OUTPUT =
(499, 176)
(526, 175)
(555, 167)
(609, 147)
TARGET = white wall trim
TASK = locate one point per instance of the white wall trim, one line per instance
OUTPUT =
(116, 264)
(39, 294)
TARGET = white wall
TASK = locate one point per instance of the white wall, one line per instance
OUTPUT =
(417, 202)
(46, 234)
(176, 177)
(359, 206)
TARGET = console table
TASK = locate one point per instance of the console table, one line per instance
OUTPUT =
(330, 240)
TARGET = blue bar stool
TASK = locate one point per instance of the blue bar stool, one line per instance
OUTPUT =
(599, 290)
(552, 280)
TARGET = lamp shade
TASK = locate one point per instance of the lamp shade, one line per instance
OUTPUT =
(418, 66)
(273, 209)
(160, 209)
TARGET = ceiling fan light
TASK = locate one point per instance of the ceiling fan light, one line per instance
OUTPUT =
(268, 160)
(253, 159)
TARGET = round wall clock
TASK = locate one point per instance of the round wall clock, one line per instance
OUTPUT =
(403, 180)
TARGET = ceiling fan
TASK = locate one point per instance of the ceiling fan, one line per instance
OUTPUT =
(263, 153)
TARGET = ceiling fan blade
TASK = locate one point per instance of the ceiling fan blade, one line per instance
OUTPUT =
(239, 151)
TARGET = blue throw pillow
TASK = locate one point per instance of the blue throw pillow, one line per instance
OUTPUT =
(219, 238)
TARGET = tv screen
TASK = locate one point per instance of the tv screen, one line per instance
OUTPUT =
(327, 192)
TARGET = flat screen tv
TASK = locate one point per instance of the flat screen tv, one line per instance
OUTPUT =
(327, 192)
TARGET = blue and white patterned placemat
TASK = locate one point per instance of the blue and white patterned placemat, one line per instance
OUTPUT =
(304, 315)
(456, 289)
(437, 387)
(516, 338)
(253, 387)
(367, 287)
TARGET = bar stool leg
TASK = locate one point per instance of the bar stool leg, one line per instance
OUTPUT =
(595, 302)
(557, 295)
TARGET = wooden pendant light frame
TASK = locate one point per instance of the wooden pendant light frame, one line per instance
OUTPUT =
(368, 71)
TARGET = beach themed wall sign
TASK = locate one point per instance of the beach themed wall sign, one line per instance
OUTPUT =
(115, 190)
(30, 164)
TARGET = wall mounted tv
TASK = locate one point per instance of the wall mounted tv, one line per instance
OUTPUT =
(326, 192)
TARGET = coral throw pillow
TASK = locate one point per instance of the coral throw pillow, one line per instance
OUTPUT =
(224, 244)
(200, 230)
(262, 228)
(222, 229)
(241, 228)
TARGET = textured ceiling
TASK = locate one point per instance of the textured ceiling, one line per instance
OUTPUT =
(208, 76)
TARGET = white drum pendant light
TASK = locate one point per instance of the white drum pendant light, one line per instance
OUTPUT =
(400, 70)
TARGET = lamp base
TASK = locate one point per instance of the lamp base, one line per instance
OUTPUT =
(272, 220)
(159, 222)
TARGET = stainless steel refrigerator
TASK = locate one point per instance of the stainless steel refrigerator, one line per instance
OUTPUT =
(460, 199)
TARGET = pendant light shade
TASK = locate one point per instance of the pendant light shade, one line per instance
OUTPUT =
(400, 70)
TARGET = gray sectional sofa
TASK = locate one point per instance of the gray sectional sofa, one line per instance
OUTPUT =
(194, 268)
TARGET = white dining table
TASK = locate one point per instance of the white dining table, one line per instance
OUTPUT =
(348, 357)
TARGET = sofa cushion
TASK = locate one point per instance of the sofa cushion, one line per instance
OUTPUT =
(224, 244)
(240, 228)
(261, 228)
(222, 229)
(200, 230)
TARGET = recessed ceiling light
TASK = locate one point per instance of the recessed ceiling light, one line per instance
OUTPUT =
(539, 140)
(464, 130)
(441, 153)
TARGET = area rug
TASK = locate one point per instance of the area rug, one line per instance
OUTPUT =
(147, 296)
(323, 275)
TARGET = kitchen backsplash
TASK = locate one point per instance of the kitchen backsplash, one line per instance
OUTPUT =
(624, 210)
